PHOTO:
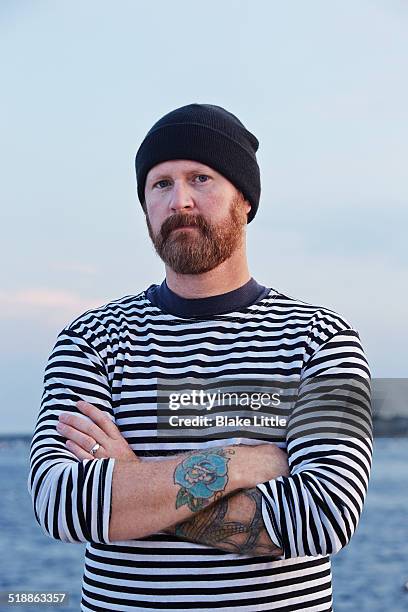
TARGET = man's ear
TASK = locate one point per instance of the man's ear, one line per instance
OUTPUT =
(247, 206)
(247, 203)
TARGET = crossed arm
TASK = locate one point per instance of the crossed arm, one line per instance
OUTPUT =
(327, 484)
(207, 496)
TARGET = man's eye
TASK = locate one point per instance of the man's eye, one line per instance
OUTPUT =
(202, 176)
(160, 183)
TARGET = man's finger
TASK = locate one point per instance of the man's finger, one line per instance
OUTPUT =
(84, 425)
(100, 418)
(79, 452)
(83, 440)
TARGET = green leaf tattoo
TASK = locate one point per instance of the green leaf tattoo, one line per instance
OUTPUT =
(182, 498)
(201, 475)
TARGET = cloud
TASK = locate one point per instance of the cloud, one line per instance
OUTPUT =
(51, 305)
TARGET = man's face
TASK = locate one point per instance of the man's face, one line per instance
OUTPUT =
(195, 216)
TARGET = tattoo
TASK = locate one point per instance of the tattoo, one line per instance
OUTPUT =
(233, 524)
(202, 475)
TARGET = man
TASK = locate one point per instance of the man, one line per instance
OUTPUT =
(235, 523)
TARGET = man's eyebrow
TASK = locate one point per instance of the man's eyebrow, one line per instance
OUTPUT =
(165, 175)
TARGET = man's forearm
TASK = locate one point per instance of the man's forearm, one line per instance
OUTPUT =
(234, 524)
(150, 496)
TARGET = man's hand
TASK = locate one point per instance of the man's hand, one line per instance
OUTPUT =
(82, 434)
(259, 462)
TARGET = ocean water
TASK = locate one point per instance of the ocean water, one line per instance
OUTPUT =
(368, 575)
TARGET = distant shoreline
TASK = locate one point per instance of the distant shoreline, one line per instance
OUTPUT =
(395, 427)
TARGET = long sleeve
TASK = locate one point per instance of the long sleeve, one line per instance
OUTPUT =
(71, 498)
(316, 509)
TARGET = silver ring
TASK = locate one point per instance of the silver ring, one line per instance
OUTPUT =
(94, 448)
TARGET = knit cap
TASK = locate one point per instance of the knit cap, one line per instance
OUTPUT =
(208, 134)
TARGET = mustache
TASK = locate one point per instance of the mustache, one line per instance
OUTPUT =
(183, 220)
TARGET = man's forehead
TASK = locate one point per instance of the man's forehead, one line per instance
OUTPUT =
(177, 165)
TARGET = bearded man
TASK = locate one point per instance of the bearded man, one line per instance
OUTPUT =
(214, 520)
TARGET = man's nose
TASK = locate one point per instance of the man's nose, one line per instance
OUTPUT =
(180, 197)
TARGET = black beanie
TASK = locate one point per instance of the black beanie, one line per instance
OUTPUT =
(208, 134)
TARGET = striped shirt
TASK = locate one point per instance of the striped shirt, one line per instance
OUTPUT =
(112, 357)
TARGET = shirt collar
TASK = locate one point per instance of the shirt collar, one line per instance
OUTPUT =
(169, 301)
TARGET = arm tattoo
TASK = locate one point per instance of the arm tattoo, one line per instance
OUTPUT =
(234, 524)
(202, 477)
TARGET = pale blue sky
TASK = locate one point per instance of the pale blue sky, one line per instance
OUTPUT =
(321, 84)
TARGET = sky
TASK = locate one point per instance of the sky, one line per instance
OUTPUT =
(321, 84)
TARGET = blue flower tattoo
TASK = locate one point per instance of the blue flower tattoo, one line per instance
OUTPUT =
(201, 476)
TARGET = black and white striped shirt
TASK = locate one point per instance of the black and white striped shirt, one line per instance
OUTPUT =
(112, 357)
